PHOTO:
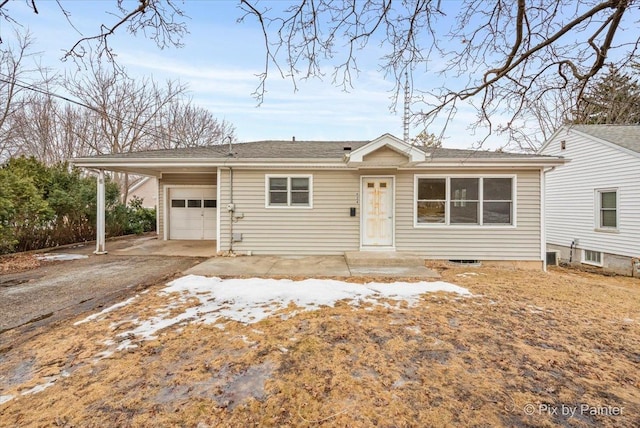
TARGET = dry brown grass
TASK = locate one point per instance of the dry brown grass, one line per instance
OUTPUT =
(566, 338)
(18, 263)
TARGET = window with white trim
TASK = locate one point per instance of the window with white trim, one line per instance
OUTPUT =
(288, 191)
(464, 200)
(591, 257)
(607, 211)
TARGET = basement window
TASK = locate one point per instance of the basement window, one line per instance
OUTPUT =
(591, 257)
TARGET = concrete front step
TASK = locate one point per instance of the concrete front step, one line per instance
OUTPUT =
(383, 258)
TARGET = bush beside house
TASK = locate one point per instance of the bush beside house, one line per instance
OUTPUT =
(46, 206)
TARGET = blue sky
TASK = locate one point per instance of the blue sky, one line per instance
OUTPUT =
(219, 63)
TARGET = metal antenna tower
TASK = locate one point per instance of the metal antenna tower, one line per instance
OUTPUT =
(407, 100)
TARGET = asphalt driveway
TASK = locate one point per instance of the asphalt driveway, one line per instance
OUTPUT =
(61, 289)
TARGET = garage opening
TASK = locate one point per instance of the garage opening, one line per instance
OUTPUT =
(192, 213)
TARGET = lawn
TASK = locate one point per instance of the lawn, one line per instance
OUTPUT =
(522, 349)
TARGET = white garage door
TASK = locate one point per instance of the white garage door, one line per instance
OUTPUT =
(192, 213)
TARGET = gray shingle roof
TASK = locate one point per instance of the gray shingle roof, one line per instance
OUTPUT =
(297, 150)
(627, 136)
(443, 153)
(252, 150)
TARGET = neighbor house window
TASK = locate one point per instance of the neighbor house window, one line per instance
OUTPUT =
(592, 257)
(607, 209)
(464, 200)
(288, 191)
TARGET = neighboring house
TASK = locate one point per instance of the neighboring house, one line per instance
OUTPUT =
(317, 198)
(145, 188)
(593, 202)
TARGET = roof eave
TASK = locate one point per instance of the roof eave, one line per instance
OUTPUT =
(505, 162)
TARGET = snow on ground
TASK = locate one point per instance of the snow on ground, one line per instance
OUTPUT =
(247, 301)
(60, 257)
(251, 300)
(106, 311)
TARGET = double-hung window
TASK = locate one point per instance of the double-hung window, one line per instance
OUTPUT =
(288, 191)
(464, 200)
(607, 211)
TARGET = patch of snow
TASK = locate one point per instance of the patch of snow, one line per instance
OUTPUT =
(47, 257)
(106, 311)
(39, 388)
(5, 398)
(251, 300)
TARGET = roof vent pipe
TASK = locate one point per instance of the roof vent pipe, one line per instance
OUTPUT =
(230, 145)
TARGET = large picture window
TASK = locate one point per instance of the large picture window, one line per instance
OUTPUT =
(288, 191)
(464, 200)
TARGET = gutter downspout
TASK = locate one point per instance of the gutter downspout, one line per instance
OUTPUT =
(231, 209)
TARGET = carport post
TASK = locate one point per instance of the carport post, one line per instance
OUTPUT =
(100, 217)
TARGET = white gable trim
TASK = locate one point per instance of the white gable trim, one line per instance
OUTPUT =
(413, 154)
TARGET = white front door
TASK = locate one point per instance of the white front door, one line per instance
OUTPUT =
(192, 213)
(377, 212)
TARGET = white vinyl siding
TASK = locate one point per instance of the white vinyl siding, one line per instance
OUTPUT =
(385, 156)
(571, 197)
(488, 242)
(326, 228)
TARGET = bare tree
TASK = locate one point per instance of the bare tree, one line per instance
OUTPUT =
(13, 67)
(427, 140)
(50, 130)
(124, 111)
(182, 124)
(163, 21)
(503, 57)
